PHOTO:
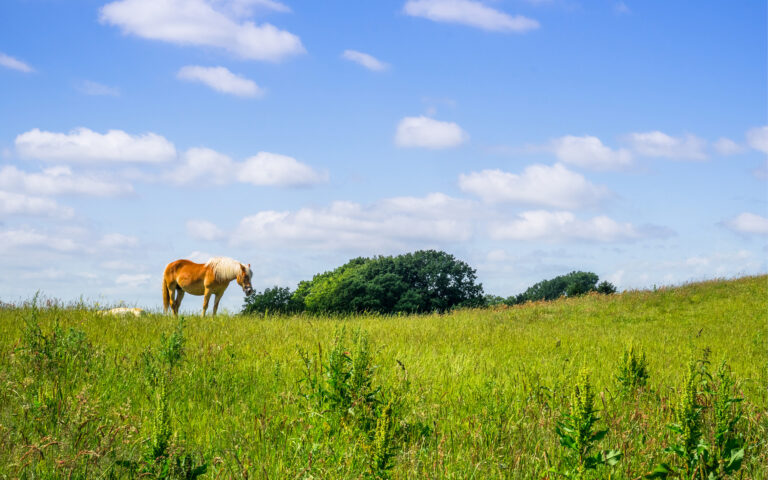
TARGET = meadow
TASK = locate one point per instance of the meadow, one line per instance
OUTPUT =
(475, 393)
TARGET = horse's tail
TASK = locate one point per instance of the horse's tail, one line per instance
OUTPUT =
(166, 295)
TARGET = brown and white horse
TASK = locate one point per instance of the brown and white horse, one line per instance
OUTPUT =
(211, 278)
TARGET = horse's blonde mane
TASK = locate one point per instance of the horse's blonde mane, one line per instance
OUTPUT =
(225, 268)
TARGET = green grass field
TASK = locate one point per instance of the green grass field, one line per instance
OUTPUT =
(470, 394)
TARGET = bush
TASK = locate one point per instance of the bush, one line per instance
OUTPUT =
(606, 287)
(572, 284)
(273, 300)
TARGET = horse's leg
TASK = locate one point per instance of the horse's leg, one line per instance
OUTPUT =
(177, 301)
(206, 297)
(216, 303)
(170, 289)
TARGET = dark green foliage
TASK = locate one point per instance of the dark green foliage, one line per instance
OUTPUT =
(605, 287)
(423, 281)
(572, 284)
(272, 300)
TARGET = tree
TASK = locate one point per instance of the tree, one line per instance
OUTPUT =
(572, 284)
(422, 281)
(606, 287)
(273, 300)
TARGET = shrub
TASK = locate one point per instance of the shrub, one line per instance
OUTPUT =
(606, 287)
(272, 300)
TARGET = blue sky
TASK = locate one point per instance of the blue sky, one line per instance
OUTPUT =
(527, 137)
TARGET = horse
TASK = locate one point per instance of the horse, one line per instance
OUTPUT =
(210, 278)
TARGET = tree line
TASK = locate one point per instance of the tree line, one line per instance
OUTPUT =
(417, 282)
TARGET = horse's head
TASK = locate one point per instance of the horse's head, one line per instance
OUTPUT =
(244, 278)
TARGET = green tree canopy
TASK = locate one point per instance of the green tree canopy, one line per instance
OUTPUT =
(572, 284)
(423, 281)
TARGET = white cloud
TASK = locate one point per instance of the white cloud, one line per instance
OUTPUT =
(262, 169)
(204, 230)
(368, 61)
(199, 257)
(59, 181)
(554, 186)
(20, 204)
(221, 80)
(204, 163)
(133, 279)
(388, 224)
(726, 146)
(118, 241)
(271, 169)
(121, 265)
(589, 152)
(93, 88)
(757, 138)
(86, 146)
(14, 64)
(245, 8)
(22, 238)
(426, 132)
(557, 226)
(748, 223)
(200, 23)
(471, 13)
(659, 144)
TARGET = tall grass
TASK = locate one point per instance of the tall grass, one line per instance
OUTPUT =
(470, 394)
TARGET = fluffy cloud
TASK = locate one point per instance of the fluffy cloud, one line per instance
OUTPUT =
(262, 169)
(14, 239)
(471, 13)
(58, 181)
(86, 146)
(206, 23)
(757, 138)
(748, 223)
(20, 204)
(271, 169)
(204, 163)
(659, 144)
(133, 279)
(726, 146)
(221, 80)
(558, 226)
(391, 223)
(589, 152)
(554, 186)
(426, 132)
(14, 64)
(93, 88)
(118, 241)
(245, 8)
(367, 61)
(203, 230)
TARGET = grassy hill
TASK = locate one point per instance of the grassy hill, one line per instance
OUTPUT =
(473, 393)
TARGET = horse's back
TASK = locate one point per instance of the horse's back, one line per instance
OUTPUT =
(187, 275)
(182, 264)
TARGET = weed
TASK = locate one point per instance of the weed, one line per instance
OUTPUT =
(576, 432)
(633, 369)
